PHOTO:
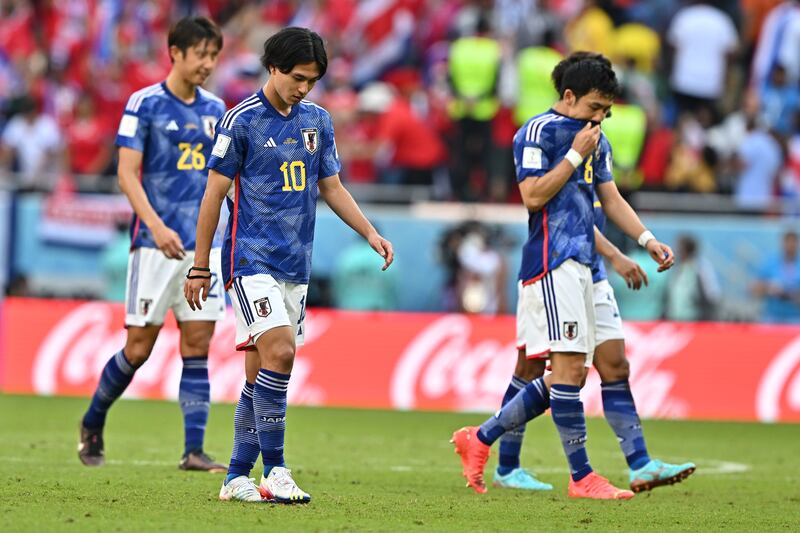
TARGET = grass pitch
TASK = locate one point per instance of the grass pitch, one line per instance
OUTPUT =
(377, 471)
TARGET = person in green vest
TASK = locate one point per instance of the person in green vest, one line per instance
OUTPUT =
(626, 129)
(474, 67)
(535, 89)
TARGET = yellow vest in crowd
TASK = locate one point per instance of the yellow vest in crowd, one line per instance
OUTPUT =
(474, 66)
(626, 131)
(535, 90)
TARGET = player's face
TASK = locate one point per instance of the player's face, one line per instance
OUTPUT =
(592, 106)
(198, 62)
(296, 84)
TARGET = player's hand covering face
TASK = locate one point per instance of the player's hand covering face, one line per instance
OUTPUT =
(593, 106)
(383, 247)
(661, 254)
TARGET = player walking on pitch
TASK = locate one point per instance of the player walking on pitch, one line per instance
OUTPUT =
(273, 156)
(562, 160)
(526, 397)
(164, 140)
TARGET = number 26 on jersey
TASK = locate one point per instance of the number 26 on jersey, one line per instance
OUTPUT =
(192, 157)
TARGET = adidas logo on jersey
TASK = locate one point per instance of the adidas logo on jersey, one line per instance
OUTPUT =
(270, 143)
(172, 126)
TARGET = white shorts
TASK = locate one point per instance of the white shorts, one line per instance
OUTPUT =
(155, 284)
(262, 303)
(556, 313)
(606, 314)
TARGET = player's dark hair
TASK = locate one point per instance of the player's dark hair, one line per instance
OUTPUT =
(189, 31)
(294, 46)
(584, 72)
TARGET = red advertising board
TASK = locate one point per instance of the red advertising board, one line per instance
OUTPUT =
(414, 361)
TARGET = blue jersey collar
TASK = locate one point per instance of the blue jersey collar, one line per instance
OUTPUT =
(196, 95)
(274, 111)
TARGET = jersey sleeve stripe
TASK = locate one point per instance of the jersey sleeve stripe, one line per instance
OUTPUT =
(534, 124)
(537, 131)
(229, 117)
(136, 99)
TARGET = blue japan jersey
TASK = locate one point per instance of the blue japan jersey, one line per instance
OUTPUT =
(275, 162)
(564, 228)
(598, 267)
(175, 140)
(605, 173)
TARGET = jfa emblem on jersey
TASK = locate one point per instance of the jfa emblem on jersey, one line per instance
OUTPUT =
(262, 307)
(570, 330)
(144, 305)
(208, 125)
(310, 139)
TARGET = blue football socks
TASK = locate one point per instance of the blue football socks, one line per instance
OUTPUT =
(245, 436)
(116, 376)
(194, 396)
(526, 405)
(269, 404)
(567, 411)
(620, 411)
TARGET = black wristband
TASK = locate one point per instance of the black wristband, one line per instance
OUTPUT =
(199, 269)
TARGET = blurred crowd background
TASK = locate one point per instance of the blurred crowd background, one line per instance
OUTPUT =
(426, 96)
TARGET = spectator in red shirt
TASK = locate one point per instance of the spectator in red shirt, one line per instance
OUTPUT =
(414, 149)
(88, 149)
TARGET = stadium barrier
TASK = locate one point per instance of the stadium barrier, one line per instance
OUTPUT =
(413, 361)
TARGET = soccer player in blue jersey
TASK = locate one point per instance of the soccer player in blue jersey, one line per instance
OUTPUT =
(526, 396)
(274, 155)
(164, 140)
(562, 160)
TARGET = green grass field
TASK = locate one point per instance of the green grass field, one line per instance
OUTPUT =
(377, 471)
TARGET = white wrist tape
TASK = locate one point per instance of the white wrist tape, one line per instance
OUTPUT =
(574, 158)
(645, 237)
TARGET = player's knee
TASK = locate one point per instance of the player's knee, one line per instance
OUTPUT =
(622, 369)
(196, 343)
(530, 369)
(280, 355)
(575, 370)
(137, 354)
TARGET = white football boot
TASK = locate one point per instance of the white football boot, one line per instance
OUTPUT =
(241, 489)
(279, 487)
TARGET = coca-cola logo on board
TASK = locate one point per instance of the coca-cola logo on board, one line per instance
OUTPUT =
(444, 361)
(75, 350)
(778, 396)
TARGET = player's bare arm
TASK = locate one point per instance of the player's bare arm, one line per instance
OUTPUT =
(198, 281)
(629, 269)
(536, 192)
(342, 203)
(622, 214)
(128, 169)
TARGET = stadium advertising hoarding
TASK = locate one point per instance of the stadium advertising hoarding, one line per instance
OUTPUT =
(414, 361)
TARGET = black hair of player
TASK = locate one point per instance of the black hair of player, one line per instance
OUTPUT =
(189, 31)
(584, 72)
(294, 46)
